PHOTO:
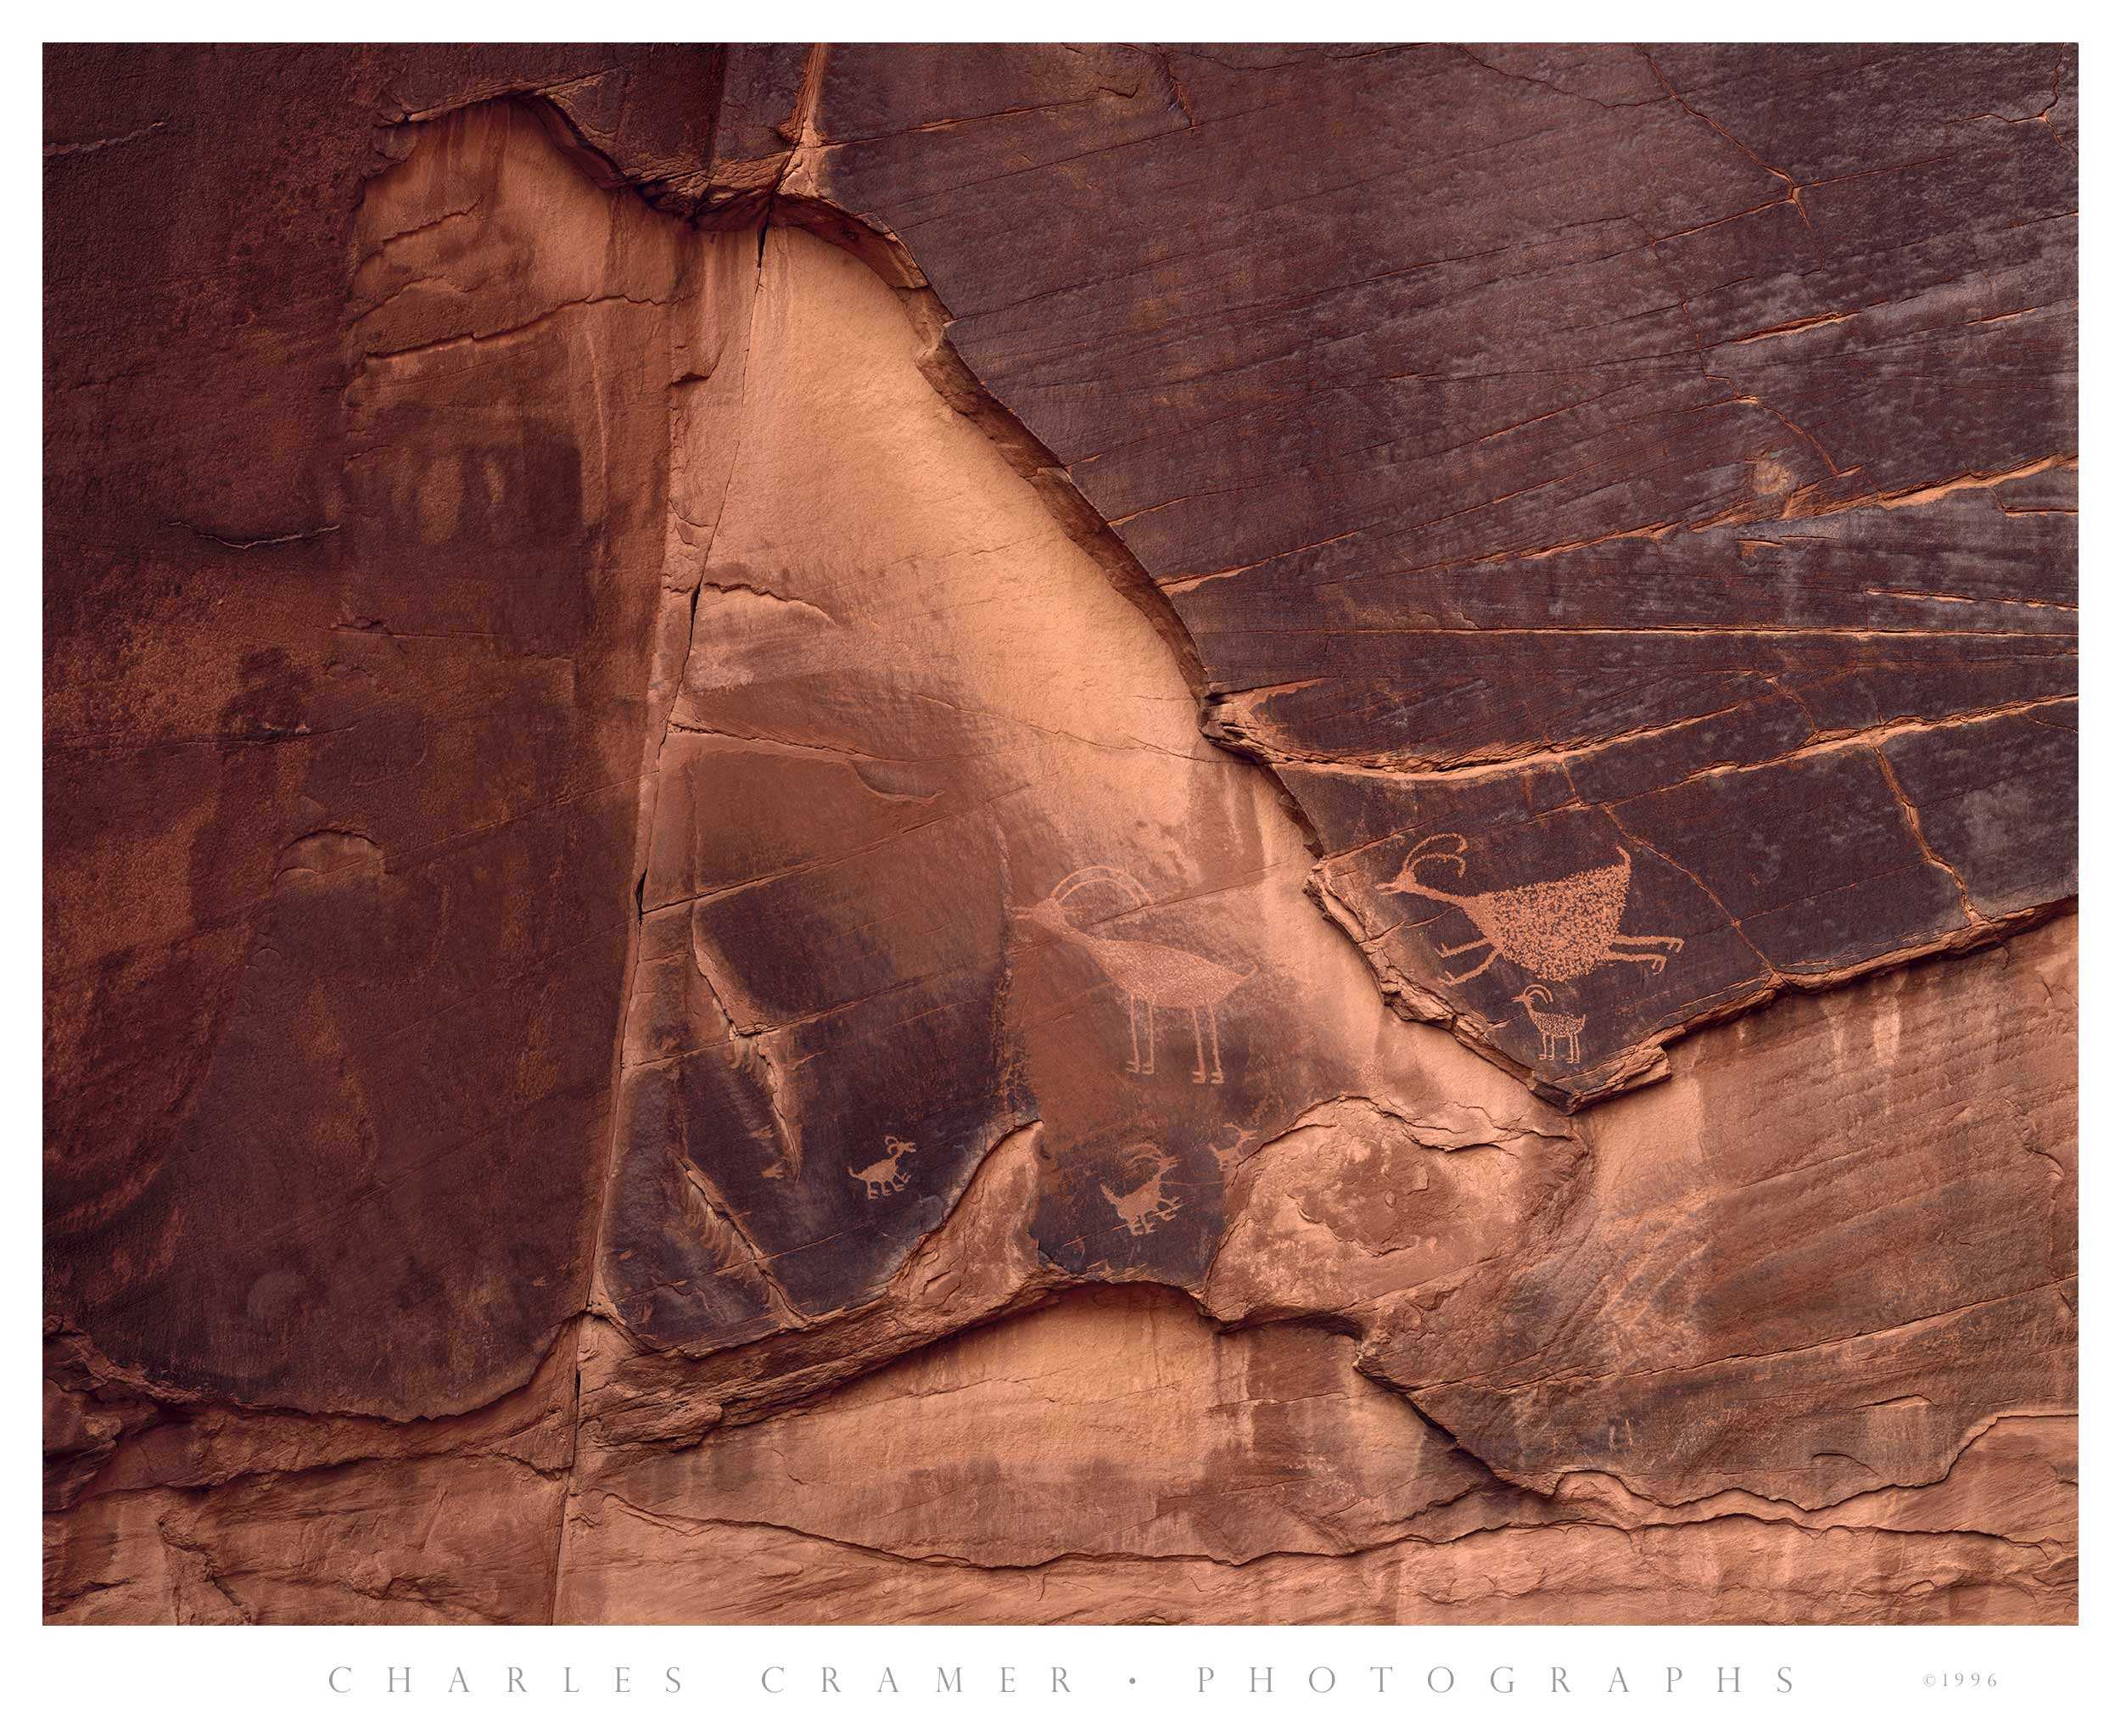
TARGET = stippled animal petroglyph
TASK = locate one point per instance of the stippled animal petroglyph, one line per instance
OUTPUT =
(1142, 1209)
(889, 1176)
(1563, 928)
(1150, 975)
(1553, 1027)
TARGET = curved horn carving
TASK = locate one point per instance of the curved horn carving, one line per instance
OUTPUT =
(1098, 874)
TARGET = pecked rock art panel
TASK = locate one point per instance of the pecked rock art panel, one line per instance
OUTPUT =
(668, 664)
(934, 858)
(1654, 450)
(1647, 916)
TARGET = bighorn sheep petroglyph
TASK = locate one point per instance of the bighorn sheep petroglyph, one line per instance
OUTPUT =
(1149, 975)
(1143, 1208)
(1553, 1027)
(888, 1177)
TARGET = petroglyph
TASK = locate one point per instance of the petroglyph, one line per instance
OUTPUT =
(1150, 975)
(889, 1176)
(1147, 1205)
(1562, 928)
(1553, 1027)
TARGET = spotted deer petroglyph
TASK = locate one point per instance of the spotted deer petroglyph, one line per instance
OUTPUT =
(888, 1177)
(1562, 928)
(1147, 1205)
(1151, 975)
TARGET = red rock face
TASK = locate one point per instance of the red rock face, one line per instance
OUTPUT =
(1016, 771)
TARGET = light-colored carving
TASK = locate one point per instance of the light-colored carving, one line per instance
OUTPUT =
(1147, 1205)
(1150, 975)
(1563, 928)
(889, 1176)
(1554, 1028)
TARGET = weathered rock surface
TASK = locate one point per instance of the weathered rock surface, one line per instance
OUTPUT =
(653, 930)
(1591, 492)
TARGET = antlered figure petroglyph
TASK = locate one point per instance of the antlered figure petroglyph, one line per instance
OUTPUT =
(1563, 928)
(1553, 1027)
(1143, 1208)
(1150, 975)
(889, 1176)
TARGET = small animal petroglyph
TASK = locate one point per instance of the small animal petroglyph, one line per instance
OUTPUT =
(1147, 1205)
(1553, 1027)
(1562, 928)
(1151, 975)
(888, 1177)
